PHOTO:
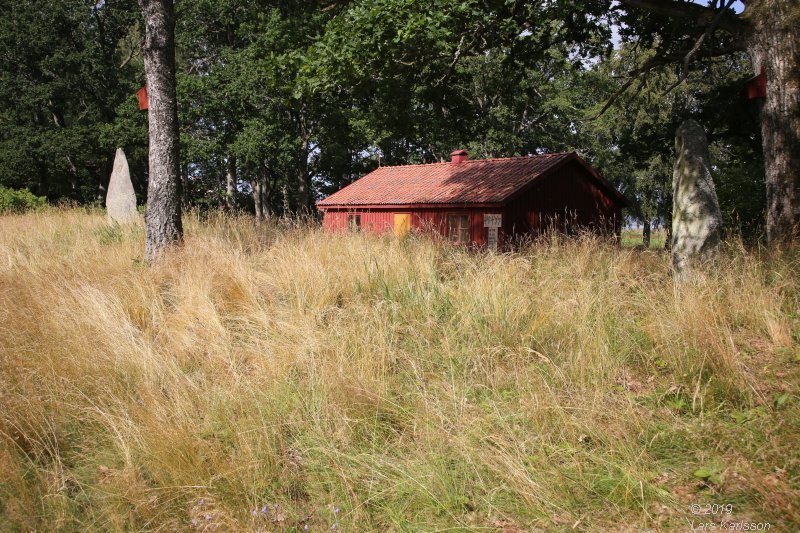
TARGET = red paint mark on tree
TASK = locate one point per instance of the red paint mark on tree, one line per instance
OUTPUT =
(141, 94)
(757, 86)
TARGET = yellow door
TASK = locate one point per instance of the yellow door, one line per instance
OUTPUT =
(402, 224)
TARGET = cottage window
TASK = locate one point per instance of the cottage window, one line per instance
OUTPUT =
(354, 222)
(459, 228)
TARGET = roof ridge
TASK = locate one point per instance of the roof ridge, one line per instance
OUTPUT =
(517, 157)
(491, 180)
(477, 160)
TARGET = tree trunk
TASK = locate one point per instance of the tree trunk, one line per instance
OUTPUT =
(646, 235)
(96, 176)
(185, 186)
(303, 181)
(230, 184)
(774, 47)
(265, 195)
(163, 216)
(258, 201)
(769, 29)
(42, 183)
(101, 193)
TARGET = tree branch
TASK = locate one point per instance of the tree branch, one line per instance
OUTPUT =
(456, 57)
(128, 59)
(655, 63)
(733, 24)
(634, 75)
(709, 30)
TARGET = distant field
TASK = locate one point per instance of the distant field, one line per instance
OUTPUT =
(277, 377)
(633, 237)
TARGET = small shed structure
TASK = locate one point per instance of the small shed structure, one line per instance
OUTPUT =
(484, 202)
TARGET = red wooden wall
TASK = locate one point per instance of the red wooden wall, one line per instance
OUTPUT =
(569, 194)
(569, 198)
(422, 220)
(377, 221)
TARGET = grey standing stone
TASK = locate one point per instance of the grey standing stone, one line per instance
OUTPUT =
(121, 198)
(696, 218)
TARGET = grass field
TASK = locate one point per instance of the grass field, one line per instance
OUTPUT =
(277, 377)
(633, 238)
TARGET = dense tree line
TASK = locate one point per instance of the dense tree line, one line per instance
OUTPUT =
(282, 102)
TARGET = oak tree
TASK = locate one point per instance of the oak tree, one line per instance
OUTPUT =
(163, 215)
(688, 33)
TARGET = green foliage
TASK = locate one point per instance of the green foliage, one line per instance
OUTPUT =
(433, 77)
(19, 201)
(305, 97)
(741, 189)
(61, 81)
(109, 235)
(632, 141)
(709, 474)
(781, 400)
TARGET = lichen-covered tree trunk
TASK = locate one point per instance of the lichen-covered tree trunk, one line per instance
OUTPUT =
(163, 216)
(266, 212)
(260, 197)
(774, 47)
(696, 217)
(257, 202)
(185, 190)
(260, 185)
(303, 178)
(230, 184)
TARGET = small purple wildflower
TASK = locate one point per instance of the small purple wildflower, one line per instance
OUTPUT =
(207, 517)
(335, 525)
(336, 510)
(264, 509)
(255, 512)
(305, 527)
(276, 506)
(202, 501)
(194, 521)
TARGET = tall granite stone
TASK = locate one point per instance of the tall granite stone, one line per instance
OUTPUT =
(696, 217)
(121, 198)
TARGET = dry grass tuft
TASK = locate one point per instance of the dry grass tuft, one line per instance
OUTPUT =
(381, 385)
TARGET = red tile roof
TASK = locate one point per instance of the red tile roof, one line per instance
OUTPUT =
(480, 181)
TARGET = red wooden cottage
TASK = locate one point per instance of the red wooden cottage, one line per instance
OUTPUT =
(483, 201)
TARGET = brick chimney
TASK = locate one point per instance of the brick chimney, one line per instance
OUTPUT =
(458, 157)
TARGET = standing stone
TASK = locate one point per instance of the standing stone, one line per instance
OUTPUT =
(696, 218)
(121, 199)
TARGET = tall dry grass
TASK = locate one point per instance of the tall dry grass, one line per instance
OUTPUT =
(275, 377)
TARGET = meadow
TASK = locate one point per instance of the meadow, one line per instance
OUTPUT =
(277, 378)
(633, 237)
